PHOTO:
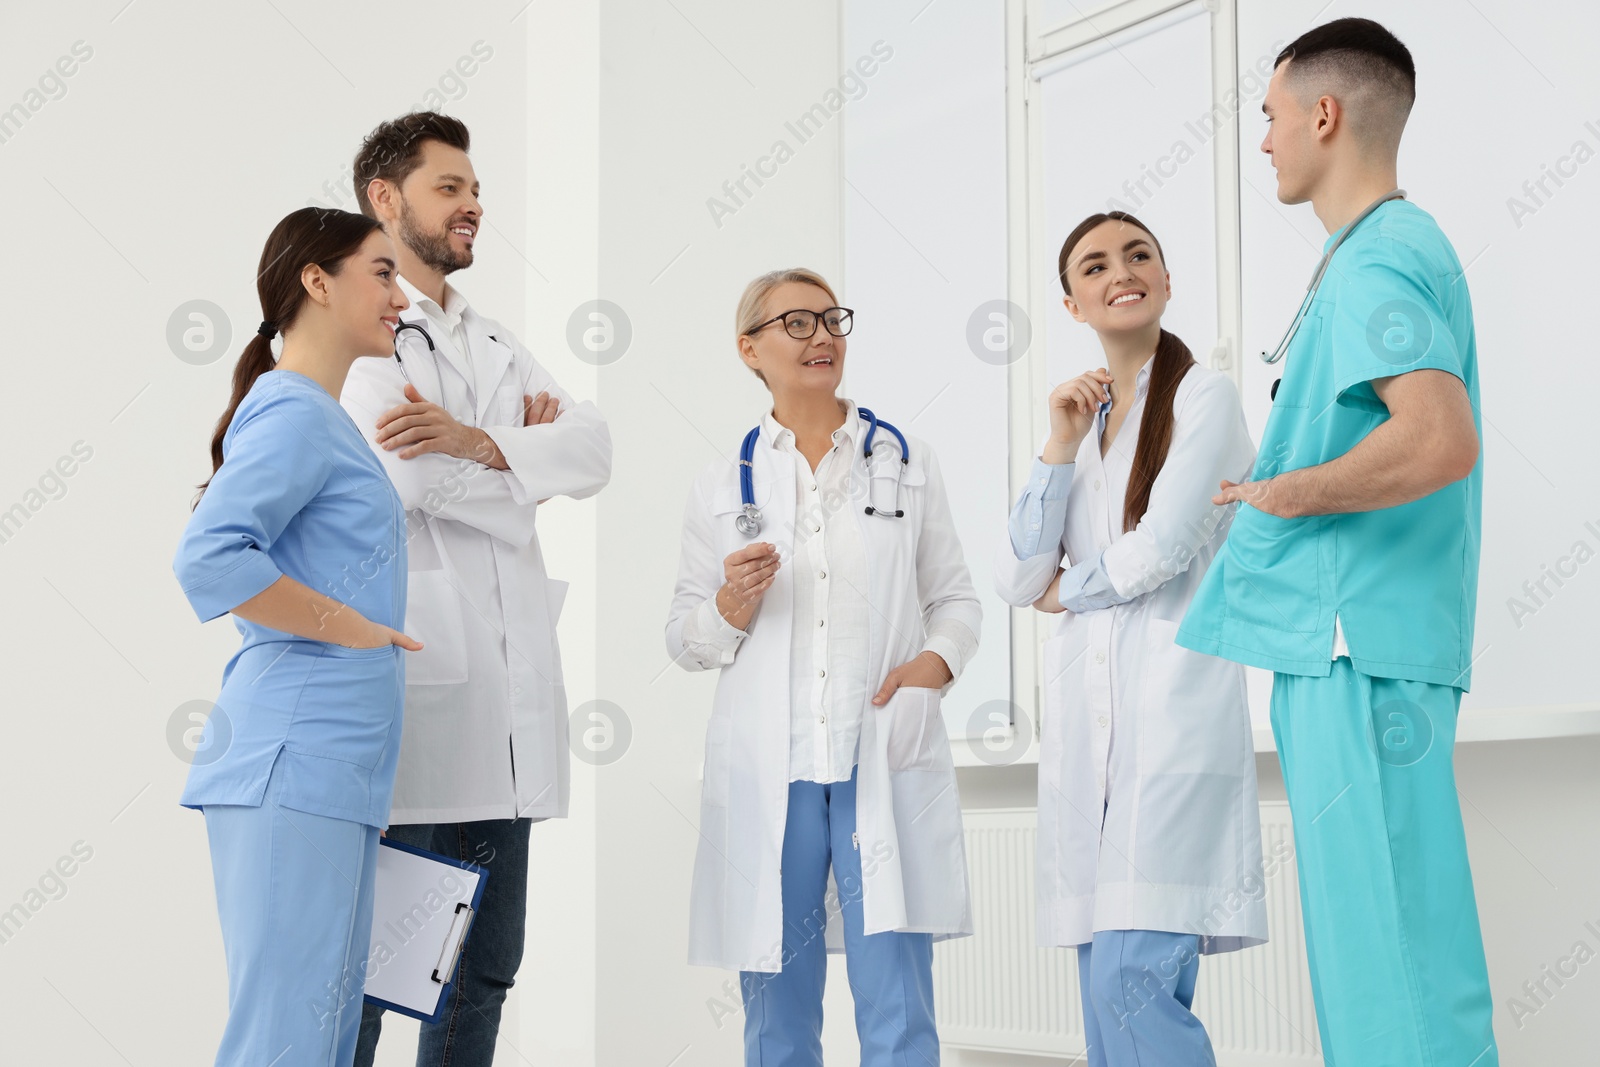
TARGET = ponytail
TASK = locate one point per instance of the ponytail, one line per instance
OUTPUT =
(324, 236)
(1167, 368)
(255, 361)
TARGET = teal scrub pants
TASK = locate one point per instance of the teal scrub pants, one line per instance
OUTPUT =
(294, 893)
(1396, 955)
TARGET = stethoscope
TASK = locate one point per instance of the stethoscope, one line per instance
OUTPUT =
(1316, 279)
(471, 393)
(748, 521)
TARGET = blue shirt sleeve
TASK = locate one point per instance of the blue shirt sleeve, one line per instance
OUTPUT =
(1086, 586)
(1040, 514)
(273, 465)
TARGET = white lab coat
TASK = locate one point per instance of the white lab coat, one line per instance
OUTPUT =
(485, 729)
(1148, 817)
(908, 813)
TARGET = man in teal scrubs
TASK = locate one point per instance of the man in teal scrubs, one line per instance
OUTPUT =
(1351, 571)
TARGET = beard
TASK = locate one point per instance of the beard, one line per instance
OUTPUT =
(434, 249)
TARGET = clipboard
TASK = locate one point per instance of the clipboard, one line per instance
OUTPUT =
(422, 910)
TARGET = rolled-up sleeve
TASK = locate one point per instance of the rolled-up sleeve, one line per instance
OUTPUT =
(712, 640)
(274, 464)
(1087, 587)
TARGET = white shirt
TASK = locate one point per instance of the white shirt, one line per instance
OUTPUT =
(458, 398)
(828, 684)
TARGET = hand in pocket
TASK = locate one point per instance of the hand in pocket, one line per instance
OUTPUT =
(912, 719)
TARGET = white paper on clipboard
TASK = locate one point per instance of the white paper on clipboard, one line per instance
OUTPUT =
(421, 909)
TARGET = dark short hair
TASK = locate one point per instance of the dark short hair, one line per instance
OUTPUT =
(394, 149)
(1360, 49)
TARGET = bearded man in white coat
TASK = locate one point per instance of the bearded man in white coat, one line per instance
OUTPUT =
(475, 435)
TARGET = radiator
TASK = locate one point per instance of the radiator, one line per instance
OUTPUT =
(999, 992)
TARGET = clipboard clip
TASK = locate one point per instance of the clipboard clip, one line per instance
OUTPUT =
(453, 940)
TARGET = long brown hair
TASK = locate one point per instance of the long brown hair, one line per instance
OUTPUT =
(322, 236)
(1167, 368)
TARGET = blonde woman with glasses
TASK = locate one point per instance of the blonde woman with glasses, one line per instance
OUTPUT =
(821, 575)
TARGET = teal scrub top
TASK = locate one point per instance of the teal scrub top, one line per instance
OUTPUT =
(1403, 581)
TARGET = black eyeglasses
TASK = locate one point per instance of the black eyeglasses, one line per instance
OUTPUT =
(801, 323)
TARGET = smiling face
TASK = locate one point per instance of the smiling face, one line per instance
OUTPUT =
(439, 211)
(1116, 279)
(365, 297)
(795, 365)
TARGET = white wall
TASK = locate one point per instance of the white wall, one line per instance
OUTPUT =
(925, 262)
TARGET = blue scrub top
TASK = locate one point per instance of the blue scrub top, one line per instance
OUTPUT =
(299, 493)
(1403, 580)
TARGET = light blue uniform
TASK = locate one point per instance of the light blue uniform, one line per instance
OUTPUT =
(1365, 741)
(296, 767)
(890, 973)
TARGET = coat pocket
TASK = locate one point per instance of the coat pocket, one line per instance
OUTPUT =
(916, 729)
(433, 616)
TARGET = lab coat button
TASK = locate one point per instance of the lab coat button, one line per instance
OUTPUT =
(822, 574)
(1102, 720)
(1099, 657)
(1097, 483)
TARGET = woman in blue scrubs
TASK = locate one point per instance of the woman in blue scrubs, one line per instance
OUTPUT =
(300, 535)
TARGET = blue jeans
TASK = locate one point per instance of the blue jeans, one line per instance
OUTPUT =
(465, 1036)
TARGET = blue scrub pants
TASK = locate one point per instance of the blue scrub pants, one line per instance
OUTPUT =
(1396, 955)
(294, 893)
(1138, 986)
(891, 974)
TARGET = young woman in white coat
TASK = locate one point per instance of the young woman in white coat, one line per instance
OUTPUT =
(822, 576)
(1149, 849)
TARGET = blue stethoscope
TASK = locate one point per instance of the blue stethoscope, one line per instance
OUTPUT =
(1322, 269)
(748, 521)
